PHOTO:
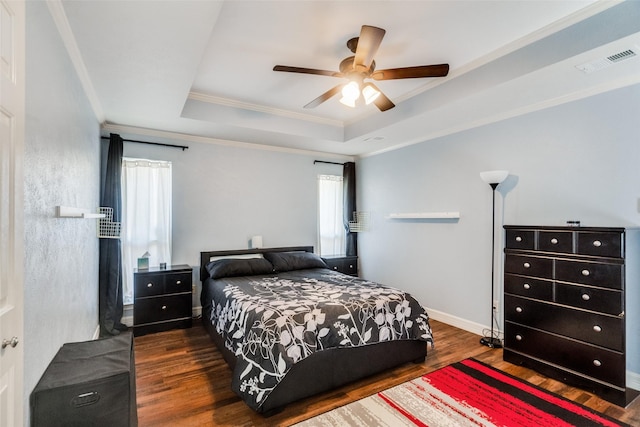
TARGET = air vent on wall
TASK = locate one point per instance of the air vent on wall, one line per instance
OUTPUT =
(599, 64)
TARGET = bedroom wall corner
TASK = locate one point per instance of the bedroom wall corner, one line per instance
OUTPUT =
(61, 167)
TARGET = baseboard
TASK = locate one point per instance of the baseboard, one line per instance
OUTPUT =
(633, 380)
(96, 333)
(464, 324)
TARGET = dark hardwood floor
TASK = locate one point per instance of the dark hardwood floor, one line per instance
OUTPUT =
(182, 380)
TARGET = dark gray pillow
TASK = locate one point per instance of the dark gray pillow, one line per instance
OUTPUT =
(231, 267)
(288, 261)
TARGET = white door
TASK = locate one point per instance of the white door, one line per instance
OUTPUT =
(12, 87)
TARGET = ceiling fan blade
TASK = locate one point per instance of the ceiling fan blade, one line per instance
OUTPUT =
(307, 71)
(368, 44)
(439, 70)
(382, 102)
(325, 96)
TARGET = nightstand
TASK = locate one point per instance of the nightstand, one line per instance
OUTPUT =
(342, 263)
(162, 299)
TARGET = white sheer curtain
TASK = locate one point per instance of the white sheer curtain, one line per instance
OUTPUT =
(331, 233)
(146, 216)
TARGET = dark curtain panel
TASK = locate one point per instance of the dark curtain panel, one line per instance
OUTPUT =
(110, 281)
(349, 183)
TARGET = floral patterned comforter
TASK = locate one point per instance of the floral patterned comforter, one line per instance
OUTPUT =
(272, 322)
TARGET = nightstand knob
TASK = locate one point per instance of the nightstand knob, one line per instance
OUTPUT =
(164, 307)
(518, 239)
(597, 243)
(149, 285)
(585, 272)
(518, 337)
(596, 362)
(350, 265)
(526, 286)
(526, 265)
(178, 282)
(554, 241)
(597, 328)
(335, 268)
(586, 297)
(518, 309)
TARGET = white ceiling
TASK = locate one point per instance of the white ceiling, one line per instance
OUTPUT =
(202, 70)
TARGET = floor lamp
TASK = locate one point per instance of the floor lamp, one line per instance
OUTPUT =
(493, 178)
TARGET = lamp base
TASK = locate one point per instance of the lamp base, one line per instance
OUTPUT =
(491, 342)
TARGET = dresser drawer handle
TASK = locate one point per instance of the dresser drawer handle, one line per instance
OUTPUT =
(164, 307)
(149, 285)
(526, 286)
(178, 282)
(335, 268)
(554, 241)
(596, 362)
(586, 272)
(518, 337)
(518, 239)
(597, 243)
(597, 328)
(350, 265)
(518, 309)
(526, 265)
(586, 297)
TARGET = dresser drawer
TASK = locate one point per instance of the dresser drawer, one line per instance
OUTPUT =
(555, 241)
(344, 264)
(149, 285)
(528, 287)
(158, 309)
(590, 273)
(529, 266)
(595, 362)
(606, 244)
(177, 282)
(595, 299)
(520, 239)
(593, 328)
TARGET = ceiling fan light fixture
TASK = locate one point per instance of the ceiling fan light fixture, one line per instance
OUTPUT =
(349, 102)
(369, 93)
(351, 91)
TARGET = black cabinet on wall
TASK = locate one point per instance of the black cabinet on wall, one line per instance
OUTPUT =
(564, 305)
(162, 299)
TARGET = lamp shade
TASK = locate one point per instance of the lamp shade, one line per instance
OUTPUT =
(494, 177)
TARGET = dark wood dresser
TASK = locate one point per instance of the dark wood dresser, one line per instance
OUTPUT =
(564, 306)
(342, 263)
(162, 299)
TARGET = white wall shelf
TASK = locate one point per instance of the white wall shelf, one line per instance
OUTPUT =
(424, 215)
(67, 212)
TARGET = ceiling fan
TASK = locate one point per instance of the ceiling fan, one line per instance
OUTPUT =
(361, 66)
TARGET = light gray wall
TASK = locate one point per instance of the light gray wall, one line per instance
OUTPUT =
(61, 167)
(577, 161)
(223, 195)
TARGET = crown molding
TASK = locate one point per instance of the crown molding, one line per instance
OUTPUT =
(232, 103)
(183, 137)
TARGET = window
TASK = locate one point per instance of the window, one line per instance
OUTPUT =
(331, 232)
(146, 216)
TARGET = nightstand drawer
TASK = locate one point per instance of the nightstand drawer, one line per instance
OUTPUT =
(590, 273)
(595, 362)
(158, 309)
(178, 282)
(343, 264)
(149, 284)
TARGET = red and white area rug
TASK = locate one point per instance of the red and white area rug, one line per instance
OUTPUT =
(467, 393)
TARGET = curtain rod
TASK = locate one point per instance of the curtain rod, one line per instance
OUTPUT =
(329, 163)
(183, 147)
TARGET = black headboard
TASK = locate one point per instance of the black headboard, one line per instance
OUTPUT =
(205, 257)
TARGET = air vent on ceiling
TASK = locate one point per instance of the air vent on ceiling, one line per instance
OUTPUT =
(599, 64)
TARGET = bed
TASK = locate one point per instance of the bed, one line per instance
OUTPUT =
(289, 327)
